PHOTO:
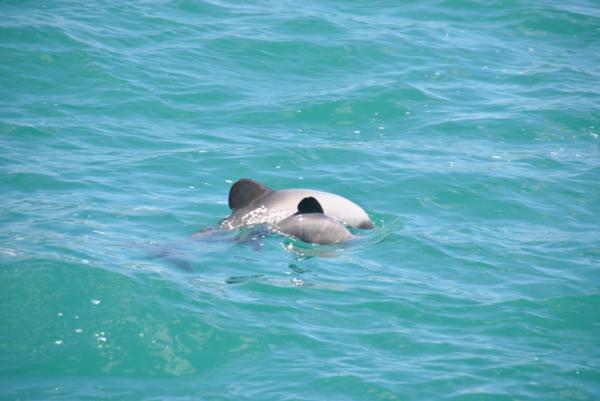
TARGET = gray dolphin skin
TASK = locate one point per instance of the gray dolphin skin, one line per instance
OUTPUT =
(309, 224)
(253, 203)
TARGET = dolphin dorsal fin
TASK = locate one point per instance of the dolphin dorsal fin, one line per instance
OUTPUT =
(309, 205)
(244, 192)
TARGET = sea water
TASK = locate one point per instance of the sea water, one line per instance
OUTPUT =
(468, 131)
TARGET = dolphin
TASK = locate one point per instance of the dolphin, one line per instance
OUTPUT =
(309, 224)
(253, 203)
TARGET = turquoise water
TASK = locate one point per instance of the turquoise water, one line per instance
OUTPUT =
(467, 130)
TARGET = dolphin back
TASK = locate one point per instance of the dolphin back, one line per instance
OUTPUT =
(253, 203)
(333, 205)
(315, 228)
(310, 224)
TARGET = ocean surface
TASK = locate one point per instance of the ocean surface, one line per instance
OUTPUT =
(468, 130)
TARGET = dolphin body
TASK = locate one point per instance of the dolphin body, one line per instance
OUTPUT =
(309, 224)
(253, 203)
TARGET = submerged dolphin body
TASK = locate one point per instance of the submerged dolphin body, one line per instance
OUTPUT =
(253, 203)
(309, 224)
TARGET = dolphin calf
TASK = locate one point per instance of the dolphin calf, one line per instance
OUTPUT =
(309, 224)
(253, 203)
